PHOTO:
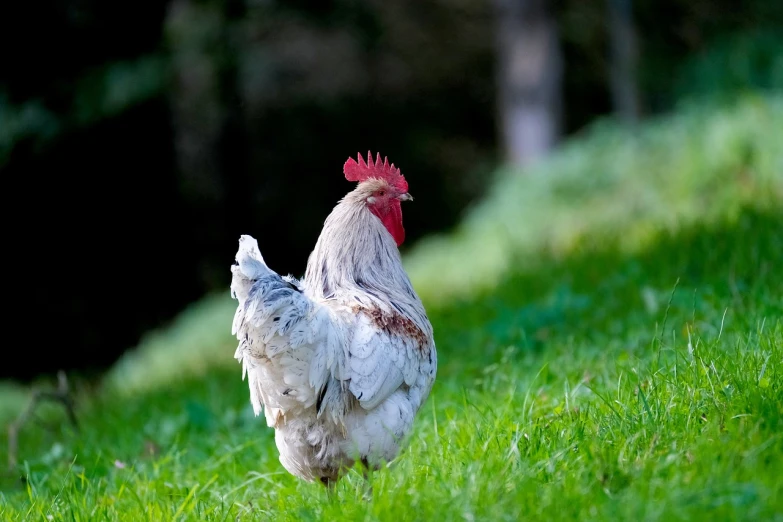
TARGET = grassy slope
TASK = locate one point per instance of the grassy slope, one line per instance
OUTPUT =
(699, 166)
(633, 371)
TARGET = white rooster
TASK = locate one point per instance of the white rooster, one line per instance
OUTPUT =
(341, 361)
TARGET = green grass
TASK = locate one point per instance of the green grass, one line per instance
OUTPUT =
(629, 372)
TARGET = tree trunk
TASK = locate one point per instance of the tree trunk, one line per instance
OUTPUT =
(207, 122)
(529, 78)
(193, 31)
(622, 38)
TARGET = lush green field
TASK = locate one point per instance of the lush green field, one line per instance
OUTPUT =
(615, 353)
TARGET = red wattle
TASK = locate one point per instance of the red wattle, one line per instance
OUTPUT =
(392, 220)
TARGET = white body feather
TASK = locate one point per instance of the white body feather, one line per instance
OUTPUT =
(341, 362)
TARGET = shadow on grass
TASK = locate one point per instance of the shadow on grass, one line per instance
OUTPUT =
(600, 290)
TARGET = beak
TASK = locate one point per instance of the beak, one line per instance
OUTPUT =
(405, 197)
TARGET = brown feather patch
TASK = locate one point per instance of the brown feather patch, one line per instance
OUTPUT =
(395, 324)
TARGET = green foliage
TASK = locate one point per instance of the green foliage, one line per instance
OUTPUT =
(118, 86)
(631, 371)
(30, 120)
(198, 340)
(101, 93)
(697, 165)
(737, 63)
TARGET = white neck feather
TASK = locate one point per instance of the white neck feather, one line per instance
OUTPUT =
(357, 260)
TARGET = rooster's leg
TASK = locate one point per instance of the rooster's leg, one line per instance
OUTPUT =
(367, 474)
(329, 484)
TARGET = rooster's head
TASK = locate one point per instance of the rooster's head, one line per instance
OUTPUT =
(382, 187)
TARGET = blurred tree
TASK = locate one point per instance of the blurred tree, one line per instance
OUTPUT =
(181, 124)
(194, 34)
(529, 76)
(209, 136)
(622, 67)
(681, 36)
(734, 63)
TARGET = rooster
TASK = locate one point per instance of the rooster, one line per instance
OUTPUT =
(341, 361)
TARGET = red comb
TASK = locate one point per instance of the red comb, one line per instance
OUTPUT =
(382, 170)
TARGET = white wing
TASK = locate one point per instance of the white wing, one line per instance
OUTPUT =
(386, 352)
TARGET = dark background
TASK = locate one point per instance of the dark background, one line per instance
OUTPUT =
(138, 140)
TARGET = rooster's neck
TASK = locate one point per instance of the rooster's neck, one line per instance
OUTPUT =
(356, 254)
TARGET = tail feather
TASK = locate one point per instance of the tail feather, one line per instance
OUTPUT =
(251, 262)
(289, 345)
(249, 267)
